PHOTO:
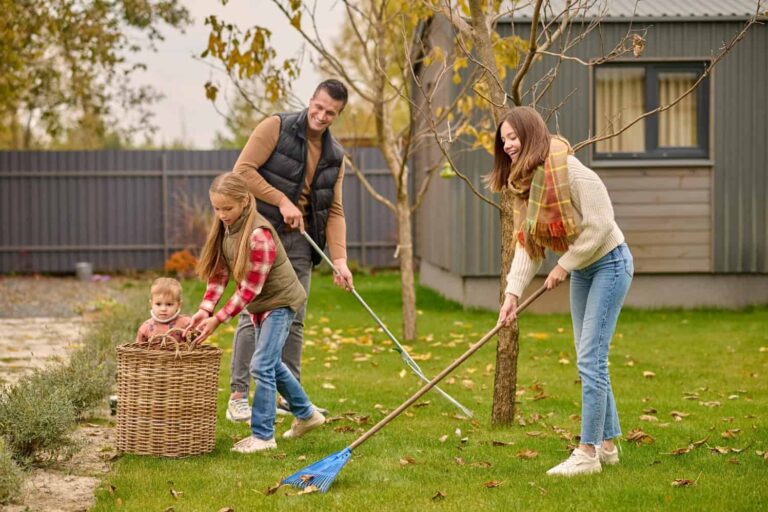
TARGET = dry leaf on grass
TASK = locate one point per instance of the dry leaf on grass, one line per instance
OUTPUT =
(650, 410)
(438, 496)
(176, 494)
(308, 490)
(443, 438)
(272, 490)
(534, 433)
(731, 433)
(327, 385)
(648, 417)
(683, 482)
(226, 509)
(502, 443)
(638, 436)
(458, 461)
(648, 374)
(527, 454)
(678, 416)
(490, 484)
(407, 460)
(481, 464)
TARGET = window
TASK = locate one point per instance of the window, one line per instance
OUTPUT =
(625, 91)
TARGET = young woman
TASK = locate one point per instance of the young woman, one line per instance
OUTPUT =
(242, 243)
(561, 205)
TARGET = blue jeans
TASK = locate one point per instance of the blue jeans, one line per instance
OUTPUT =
(272, 375)
(597, 294)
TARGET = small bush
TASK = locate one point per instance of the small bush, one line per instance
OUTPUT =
(10, 476)
(182, 264)
(85, 381)
(35, 421)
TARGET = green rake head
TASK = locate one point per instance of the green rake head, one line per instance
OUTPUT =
(322, 473)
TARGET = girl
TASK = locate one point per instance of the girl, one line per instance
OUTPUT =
(244, 244)
(562, 205)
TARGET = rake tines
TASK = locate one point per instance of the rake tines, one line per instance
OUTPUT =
(322, 473)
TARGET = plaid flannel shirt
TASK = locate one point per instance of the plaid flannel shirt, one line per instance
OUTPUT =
(262, 256)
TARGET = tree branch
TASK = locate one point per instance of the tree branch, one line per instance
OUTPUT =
(367, 184)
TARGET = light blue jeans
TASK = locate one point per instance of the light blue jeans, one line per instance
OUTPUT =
(272, 375)
(597, 294)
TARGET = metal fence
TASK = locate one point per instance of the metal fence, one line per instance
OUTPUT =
(123, 210)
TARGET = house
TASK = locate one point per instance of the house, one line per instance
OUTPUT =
(689, 186)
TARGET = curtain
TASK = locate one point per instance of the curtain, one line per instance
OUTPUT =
(620, 98)
(677, 126)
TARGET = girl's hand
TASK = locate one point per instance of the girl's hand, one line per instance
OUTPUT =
(206, 328)
(196, 319)
(557, 276)
(508, 311)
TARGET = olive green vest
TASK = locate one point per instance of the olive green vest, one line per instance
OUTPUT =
(282, 288)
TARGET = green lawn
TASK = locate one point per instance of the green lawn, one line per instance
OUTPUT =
(709, 365)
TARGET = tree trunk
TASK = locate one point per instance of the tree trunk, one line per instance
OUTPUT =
(505, 383)
(405, 253)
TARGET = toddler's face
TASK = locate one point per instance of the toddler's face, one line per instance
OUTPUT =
(164, 306)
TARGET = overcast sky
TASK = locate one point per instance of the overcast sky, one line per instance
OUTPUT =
(185, 113)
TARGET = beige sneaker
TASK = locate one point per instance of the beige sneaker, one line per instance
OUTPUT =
(301, 427)
(579, 463)
(608, 457)
(253, 444)
(238, 410)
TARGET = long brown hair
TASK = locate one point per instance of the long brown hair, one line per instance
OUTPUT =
(234, 187)
(534, 148)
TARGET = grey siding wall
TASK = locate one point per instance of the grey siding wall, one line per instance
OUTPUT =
(737, 232)
(124, 209)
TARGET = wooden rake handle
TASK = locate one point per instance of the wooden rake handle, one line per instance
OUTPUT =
(466, 355)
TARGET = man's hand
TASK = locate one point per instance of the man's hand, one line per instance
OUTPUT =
(508, 311)
(557, 276)
(342, 277)
(198, 317)
(206, 328)
(291, 214)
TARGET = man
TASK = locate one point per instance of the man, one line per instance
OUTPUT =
(295, 168)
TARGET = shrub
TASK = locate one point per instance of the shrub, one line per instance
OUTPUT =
(182, 264)
(84, 381)
(10, 476)
(35, 420)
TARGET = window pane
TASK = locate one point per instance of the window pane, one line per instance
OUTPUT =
(677, 126)
(620, 98)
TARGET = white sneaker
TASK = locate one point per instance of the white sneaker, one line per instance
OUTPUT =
(301, 427)
(579, 463)
(253, 444)
(608, 457)
(238, 410)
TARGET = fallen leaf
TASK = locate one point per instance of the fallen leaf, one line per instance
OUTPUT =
(111, 489)
(648, 374)
(272, 490)
(501, 443)
(678, 416)
(534, 433)
(490, 484)
(306, 478)
(407, 460)
(301, 457)
(564, 361)
(682, 451)
(422, 404)
(527, 454)
(481, 464)
(341, 429)
(327, 385)
(403, 373)
(649, 410)
(722, 450)
(731, 433)
(226, 509)
(309, 490)
(696, 444)
(443, 438)
(458, 461)
(638, 436)
(648, 417)
(438, 496)
(176, 494)
(468, 384)
(682, 482)
(713, 403)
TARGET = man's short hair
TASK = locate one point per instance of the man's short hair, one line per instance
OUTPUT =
(335, 89)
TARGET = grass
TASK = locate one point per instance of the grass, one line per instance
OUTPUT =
(710, 365)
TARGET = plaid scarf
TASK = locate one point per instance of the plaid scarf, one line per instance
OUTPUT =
(544, 215)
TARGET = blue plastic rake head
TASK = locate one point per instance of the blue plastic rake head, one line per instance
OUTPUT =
(322, 473)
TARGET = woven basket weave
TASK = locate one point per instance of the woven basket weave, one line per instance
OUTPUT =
(167, 400)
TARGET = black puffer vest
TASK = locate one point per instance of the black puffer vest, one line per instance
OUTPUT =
(286, 168)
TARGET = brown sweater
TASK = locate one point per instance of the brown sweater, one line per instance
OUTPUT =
(260, 146)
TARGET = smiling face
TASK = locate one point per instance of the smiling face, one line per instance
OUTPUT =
(323, 111)
(226, 208)
(164, 306)
(511, 141)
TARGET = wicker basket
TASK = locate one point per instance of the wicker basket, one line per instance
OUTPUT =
(167, 400)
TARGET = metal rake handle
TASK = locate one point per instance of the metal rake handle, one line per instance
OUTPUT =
(399, 348)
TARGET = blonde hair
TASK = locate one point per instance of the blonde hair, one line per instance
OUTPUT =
(167, 287)
(211, 259)
(534, 137)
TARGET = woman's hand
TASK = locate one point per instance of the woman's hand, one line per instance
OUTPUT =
(195, 320)
(557, 276)
(508, 311)
(206, 328)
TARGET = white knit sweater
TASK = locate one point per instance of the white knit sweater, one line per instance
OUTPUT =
(599, 232)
